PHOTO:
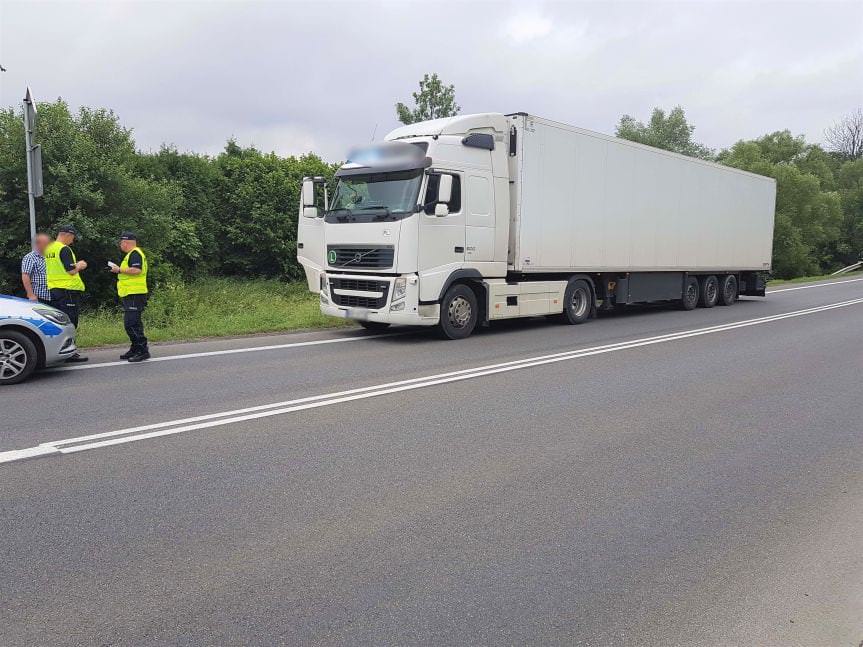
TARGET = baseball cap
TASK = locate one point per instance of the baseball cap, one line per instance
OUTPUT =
(67, 229)
(129, 235)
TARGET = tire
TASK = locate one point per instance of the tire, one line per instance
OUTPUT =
(709, 292)
(18, 357)
(374, 326)
(459, 312)
(690, 294)
(577, 302)
(728, 290)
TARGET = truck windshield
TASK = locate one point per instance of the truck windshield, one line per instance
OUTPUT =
(389, 192)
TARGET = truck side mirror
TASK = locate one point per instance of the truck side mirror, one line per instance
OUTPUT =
(444, 191)
(307, 197)
(441, 209)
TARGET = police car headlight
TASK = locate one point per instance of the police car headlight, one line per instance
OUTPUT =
(399, 288)
(53, 315)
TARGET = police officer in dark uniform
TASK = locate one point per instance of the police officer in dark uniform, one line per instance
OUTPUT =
(133, 292)
(63, 276)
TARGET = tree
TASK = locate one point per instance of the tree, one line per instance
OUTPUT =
(434, 100)
(845, 138)
(671, 132)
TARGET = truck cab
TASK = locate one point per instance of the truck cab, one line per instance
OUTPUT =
(408, 218)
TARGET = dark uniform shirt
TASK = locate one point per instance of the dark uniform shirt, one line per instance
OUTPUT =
(67, 259)
(135, 259)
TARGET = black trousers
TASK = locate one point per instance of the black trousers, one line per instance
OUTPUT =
(133, 308)
(68, 301)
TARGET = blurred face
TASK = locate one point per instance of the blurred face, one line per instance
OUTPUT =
(42, 241)
(128, 245)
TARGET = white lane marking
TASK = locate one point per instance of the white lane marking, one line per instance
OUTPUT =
(251, 413)
(813, 285)
(253, 349)
(229, 351)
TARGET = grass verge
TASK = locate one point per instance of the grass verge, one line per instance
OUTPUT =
(212, 308)
(811, 279)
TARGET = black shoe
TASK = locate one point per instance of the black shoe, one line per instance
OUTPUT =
(140, 356)
(77, 359)
(132, 351)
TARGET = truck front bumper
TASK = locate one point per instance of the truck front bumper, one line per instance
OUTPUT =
(340, 298)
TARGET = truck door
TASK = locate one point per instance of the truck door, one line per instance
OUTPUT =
(479, 230)
(310, 248)
(441, 237)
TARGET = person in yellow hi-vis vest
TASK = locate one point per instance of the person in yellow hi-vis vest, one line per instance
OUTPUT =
(132, 290)
(63, 276)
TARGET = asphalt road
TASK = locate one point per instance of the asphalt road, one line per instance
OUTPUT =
(655, 477)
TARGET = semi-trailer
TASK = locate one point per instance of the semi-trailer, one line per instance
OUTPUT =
(461, 221)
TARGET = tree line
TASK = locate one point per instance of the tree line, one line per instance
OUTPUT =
(235, 213)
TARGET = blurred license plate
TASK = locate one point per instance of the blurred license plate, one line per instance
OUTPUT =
(357, 313)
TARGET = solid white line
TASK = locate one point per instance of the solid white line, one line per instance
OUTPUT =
(240, 415)
(318, 342)
(813, 285)
(229, 351)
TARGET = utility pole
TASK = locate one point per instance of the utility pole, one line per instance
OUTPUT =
(34, 160)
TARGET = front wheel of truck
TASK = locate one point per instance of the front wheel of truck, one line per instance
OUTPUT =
(458, 312)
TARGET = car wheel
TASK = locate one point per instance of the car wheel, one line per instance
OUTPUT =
(18, 357)
(458, 312)
(577, 302)
(374, 326)
(728, 290)
(709, 292)
(690, 294)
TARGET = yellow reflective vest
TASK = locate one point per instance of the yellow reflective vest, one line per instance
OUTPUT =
(132, 283)
(55, 272)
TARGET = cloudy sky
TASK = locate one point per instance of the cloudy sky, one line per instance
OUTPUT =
(300, 76)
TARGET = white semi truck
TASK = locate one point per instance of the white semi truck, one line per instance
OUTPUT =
(461, 221)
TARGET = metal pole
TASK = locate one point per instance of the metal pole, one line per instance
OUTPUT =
(28, 143)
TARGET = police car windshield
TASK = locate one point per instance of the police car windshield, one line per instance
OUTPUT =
(394, 192)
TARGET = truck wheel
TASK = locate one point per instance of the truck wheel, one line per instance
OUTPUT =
(709, 292)
(374, 326)
(17, 357)
(690, 294)
(458, 312)
(728, 290)
(577, 302)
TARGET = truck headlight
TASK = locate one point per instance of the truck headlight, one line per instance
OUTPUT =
(399, 288)
(324, 287)
(397, 307)
(53, 315)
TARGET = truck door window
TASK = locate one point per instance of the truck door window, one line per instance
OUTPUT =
(454, 203)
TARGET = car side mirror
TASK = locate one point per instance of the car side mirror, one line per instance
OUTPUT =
(444, 191)
(308, 192)
(441, 209)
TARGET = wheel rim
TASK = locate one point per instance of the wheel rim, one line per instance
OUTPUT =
(730, 290)
(13, 359)
(579, 302)
(459, 312)
(711, 291)
(691, 293)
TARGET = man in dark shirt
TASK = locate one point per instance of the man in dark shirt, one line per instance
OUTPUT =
(133, 292)
(63, 275)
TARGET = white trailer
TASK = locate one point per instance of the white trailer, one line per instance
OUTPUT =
(457, 222)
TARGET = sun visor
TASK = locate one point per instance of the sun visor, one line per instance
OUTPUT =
(385, 158)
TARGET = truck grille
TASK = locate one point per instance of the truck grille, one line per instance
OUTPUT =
(372, 256)
(351, 301)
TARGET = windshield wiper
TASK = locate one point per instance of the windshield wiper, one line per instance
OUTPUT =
(386, 214)
(340, 218)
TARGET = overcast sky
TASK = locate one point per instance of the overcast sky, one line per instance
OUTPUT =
(316, 76)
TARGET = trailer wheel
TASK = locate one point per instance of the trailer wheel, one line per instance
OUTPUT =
(690, 294)
(374, 326)
(18, 357)
(709, 292)
(458, 312)
(577, 302)
(728, 290)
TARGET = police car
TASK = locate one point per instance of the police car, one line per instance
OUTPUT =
(32, 336)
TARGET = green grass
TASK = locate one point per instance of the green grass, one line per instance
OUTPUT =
(212, 308)
(810, 279)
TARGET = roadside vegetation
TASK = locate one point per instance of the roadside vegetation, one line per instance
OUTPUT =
(217, 307)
